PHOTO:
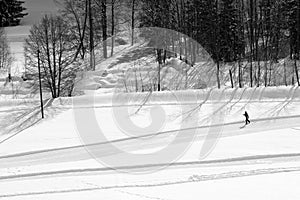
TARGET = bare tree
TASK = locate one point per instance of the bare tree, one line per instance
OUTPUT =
(76, 12)
(92, 52)
(104, 27)
(102, 7)
(113, 4)
(5, 55)
(50, 39)
(129, 17)
(133, 2)
(116, 6)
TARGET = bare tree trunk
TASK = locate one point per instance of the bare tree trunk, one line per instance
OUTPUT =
(231, 79)
(180, 46)
(258, 73)
(112, 27)
(218, 74)
(179, 34)
(136, 82)
(132, 21)
(298, 41)
(251, 29)
(60, 65)
(92, 53)
(158, 79)
(159, 60)
(240, 75)
(48, 55)
(104, 27)
(185, 50)
(54, 59)
(270, 75)
(81, 30)
(293, 77)
(217, 46)
(297, 72)
(285, 77)
(266, 74)
(40, 84)
(257, 37)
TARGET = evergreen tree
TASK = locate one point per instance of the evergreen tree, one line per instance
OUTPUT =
(3, 12)
(11, 12)
(230, 40)
(203, 21)
(293, 18)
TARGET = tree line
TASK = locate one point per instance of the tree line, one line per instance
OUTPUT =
(252, 34)
(259, 32)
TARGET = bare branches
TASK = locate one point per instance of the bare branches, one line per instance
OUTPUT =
(5, 55)
(52, 39)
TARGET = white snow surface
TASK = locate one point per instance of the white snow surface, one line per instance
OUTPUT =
(47, 159)
(261, 161)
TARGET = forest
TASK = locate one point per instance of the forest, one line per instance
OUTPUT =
(252, 43)
(253, 34)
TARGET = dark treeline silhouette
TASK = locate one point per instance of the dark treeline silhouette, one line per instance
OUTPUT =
(259, 32)
(11, 12)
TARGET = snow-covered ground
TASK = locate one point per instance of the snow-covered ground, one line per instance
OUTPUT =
(261, 161)
(52, 158)
(55, 158)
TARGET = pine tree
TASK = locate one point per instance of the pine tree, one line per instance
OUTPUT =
(205, 23)
(230, 40)
(293, 7)
(3, 12)
(12, 11)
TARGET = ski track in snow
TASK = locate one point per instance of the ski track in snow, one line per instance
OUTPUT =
(192, 179)
(75, 153)
(248, 160)
(67, 150)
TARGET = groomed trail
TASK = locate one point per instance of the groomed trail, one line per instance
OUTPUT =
(77, 153)
(53, 150)
(192, 179)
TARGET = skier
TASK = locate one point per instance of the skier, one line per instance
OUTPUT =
(247, 118)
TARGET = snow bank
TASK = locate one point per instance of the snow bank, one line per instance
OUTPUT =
(189, 96)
